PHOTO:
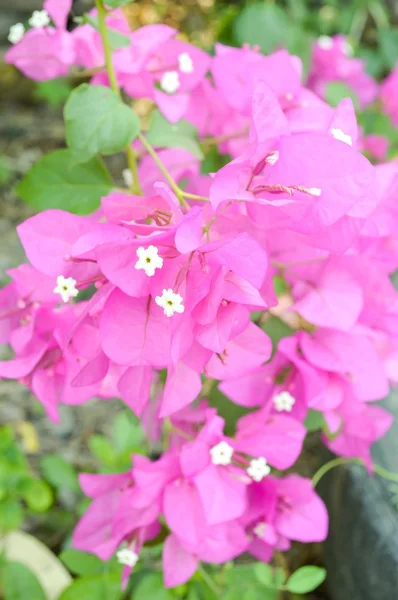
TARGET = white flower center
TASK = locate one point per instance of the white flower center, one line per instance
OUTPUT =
(16, 33)
(338, 134)
(127, 177)
(66, 288)
(185, 63)
(221, 454)
(284, 402)
(170, 82)
(170, 302)
(314, 191)
(325, 42)
(258, 469)
(127, 557)
(149, 260)
(259, 529)
(39, 18)
(272, 158)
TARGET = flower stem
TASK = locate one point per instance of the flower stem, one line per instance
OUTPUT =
(153, 154)
(209, 581)
(340, 461)
(130, 154)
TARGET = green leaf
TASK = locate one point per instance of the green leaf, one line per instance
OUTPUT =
(102, 448)
(19, 583)
(38, 495)
(116, 3)
(11, 515)
(57, 181)
(181, 135)
(6, 437)
(389, 45)
(336, 91)
(81, 563)
(54, 92)
(264, 574)
(265, 25)
(59, 473)
(306, 580)
(126, 431)
(276, 329)
(230, 411)
(314, 420)
(152, 587)
(5, 170)
(96, 587)
(98, 122)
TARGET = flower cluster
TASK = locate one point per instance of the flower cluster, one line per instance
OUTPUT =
(179, 285)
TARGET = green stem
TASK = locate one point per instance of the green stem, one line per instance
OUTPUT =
(152, 152)
(130, 154)
(337, 462)
(209, 581)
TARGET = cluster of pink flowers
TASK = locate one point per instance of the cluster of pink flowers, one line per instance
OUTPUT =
(174, 287)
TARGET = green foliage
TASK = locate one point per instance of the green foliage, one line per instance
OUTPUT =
(116, 39)
(99, 587)
(58, 181)
(314, 420)
(389, 46)
(37, 495)
(182, 135)
(152, 587)
(81, 563)
(336, 91)
(59, 473)
(117, 3)
(11, 515)
(5, 170)
(261, 24)
(126, 439)
(98, 122)
(19, 583)
(306, 580)
(54, 92)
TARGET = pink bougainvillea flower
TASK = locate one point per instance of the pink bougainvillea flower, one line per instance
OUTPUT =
(58, 11)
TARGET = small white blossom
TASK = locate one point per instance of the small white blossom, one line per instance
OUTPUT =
(149, 260)
(314, 191)
(66, 288)
(221, 453)
(338, 134)
(346, 48)
(39, 18)
(185, 63)
(258, 469)
(127, 557)
(127, 177)
(16, 33)
(170, 82)
(259, 529)
(170, 302)
(272, 158)
(325, 42)
(284, 402)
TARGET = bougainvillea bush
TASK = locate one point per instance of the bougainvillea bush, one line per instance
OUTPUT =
(235, 294)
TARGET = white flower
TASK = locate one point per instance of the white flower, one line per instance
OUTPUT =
(185, 63)
(284, 402)
(314, 191)
(221, 454)
(338, 134)
(258, 469)
(346, 48)
(66, 287)
(170, 302)
(127, 557)
(16, 33)
(272, 158)
(127, 177)
(39, 18)
(259, 529)
(149, 260)
(170, 82)
(325, 42)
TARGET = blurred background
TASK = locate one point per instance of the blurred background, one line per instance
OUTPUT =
(31, 125)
